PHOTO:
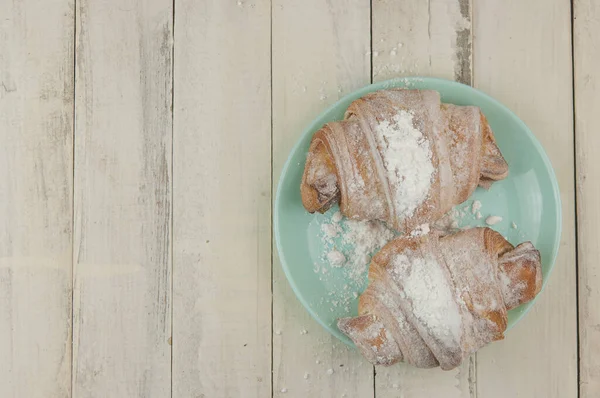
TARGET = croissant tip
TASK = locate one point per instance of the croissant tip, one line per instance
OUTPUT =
(342, 323)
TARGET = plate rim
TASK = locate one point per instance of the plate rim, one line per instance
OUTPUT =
(406, 82)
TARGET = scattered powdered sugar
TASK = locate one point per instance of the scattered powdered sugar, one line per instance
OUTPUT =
(365, 238)
(460, 218)
(330, 371)
(330, 230)
(336, 258)
(475, 207)
(348, 247)
(406, 157)
(337, 217)
(358, 241)
(493, 220)
(513, 225)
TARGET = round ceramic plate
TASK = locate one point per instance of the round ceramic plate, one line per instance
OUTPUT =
(529, 198)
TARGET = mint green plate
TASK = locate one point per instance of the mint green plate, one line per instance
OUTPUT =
(529, 197)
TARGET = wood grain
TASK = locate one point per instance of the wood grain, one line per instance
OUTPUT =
(586, 31)
(36, 159)
(320, 52)
(426, 38)
(222, 200)
(529, 69)
(138, 163)
(122, 254)
(422, 38)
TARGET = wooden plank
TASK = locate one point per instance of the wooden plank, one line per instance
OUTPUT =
(430, 38)
(122, 291)
(422, 38)
(529, 70)
(586, 31)
(222, 200)
(320, 52)
(36, 183)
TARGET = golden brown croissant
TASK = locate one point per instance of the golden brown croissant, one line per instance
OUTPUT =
(435, 300)
(402, 157)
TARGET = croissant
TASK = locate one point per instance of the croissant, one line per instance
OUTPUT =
(433, 301)
(402, 157)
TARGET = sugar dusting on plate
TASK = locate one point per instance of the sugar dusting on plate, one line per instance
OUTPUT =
(351, 243)
(348, 247)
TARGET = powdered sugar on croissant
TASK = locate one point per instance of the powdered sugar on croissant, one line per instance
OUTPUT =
(402, 157)
(435, 300)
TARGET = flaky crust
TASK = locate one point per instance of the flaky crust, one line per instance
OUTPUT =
(482, 273)
(344, 162)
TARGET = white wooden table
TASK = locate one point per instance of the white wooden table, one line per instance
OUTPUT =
(140, 145)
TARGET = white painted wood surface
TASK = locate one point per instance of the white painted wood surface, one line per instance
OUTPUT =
(586, 31)
(36, 184)
(222, 200)
(320, 53)
(422, 38)
(427, 38)
(180, 135)
(523, 58)
(122, 242)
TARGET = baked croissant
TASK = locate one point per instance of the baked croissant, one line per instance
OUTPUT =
(402, 157)
(435, 300)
